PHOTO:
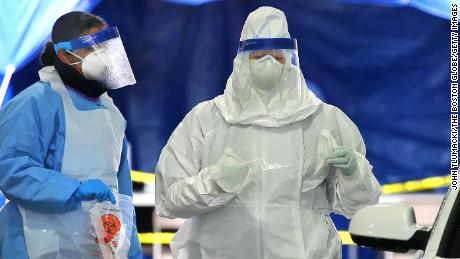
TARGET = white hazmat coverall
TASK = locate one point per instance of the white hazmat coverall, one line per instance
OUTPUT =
(250, 170)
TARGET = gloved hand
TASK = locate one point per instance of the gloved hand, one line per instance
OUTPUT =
(343, 158)
(93, 189)
(230, 172)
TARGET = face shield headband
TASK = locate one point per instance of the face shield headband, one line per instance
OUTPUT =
(88, 41)
(267, 44)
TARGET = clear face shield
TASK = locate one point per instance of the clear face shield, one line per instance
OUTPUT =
(271, 65)
(107, 61)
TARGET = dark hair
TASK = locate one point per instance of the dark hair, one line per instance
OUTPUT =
(67, 27)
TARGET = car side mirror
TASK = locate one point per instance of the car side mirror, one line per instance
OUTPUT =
(389, 227)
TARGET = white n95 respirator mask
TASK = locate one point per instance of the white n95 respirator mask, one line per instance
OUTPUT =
(93, 66)
(266, 72)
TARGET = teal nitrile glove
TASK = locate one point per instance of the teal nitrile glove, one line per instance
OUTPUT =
(94, 190)
(343, 158)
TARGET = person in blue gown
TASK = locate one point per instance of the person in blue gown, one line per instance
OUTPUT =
(62, 140)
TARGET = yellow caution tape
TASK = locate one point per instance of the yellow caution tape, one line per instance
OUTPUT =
(142, 177)
(165, 238)
(404, 187)
(417, 185)
(346, 238)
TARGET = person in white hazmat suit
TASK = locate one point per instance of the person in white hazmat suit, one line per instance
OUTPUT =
(257, 171)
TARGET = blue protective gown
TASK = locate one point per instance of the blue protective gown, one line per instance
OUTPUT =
(32, 137)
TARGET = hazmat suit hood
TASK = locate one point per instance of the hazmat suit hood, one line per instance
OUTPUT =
(243, 102)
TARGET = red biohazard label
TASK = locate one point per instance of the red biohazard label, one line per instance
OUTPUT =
(112, 226)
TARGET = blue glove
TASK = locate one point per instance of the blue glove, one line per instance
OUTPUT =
(343, 158)
(93, 190)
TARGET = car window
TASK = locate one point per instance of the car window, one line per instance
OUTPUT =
(439, 227)
(450, 242)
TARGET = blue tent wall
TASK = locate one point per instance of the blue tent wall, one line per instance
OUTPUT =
(386, 67)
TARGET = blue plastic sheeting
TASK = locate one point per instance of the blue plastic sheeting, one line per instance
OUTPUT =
(8, 95)
(191, 2)
(2, 200)
(386, 67)
(24, 25)
(439, 8)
